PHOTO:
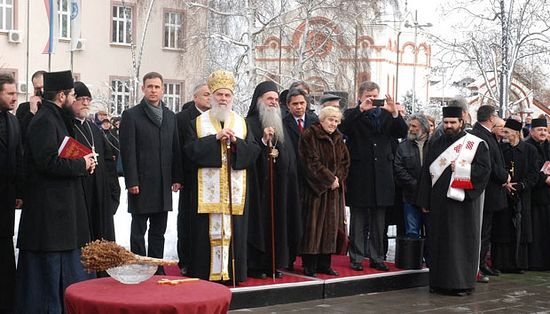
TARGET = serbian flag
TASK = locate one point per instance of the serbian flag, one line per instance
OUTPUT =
(51, 12)
(75, 23)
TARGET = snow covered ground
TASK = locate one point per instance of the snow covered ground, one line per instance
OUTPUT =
(123, 219)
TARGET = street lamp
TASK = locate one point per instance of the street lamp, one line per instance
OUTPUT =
(416, 26)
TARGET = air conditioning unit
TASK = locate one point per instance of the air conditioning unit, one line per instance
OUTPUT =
(22, 87)
(80, 44)
(14, 36)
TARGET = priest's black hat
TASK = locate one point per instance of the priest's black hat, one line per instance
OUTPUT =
(58, 81)
(81, 90)
(513, 124)
(452, 112)
(262, 88)
(539, 122)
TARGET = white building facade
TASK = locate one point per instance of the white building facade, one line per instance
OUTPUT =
(104, 59)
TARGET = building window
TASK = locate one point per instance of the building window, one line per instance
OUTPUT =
(172, 96)
(122, 24)
(64, 17)
(120, 96)
(173, 30)
(6, 15)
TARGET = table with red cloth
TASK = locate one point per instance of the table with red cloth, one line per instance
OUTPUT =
(106, 295)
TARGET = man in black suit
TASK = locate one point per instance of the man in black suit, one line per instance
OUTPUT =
(199, 104)
(27, 110)
(150, 152)
(495, 194)
(10, 187)
(296, 121)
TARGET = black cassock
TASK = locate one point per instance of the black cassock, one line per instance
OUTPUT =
(205, 152)
(454, 226)
(286, 203)
(539, 248)
(97, 185)
(512, 229)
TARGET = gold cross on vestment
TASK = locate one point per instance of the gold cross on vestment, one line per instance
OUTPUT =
(442, 162)
(462, 163)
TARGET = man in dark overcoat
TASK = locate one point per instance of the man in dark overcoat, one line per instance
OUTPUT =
(200, 104)
(151, 159)
(96, 185)
(296, 121)
(495, 194)
(11, 177)
(54, 222)
(371, 131)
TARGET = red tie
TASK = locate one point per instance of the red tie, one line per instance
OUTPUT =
(300, 126)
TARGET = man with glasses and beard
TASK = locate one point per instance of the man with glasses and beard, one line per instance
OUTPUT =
(96, 185)
(215, 228)
(453, 179)
(54, 223)
(266, 125)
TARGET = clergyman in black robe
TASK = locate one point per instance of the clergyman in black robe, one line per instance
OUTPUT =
(206, 155)
(265, 122)
(512, 230)
(199, 104)
(96, 186)
(539, 248)
(455, 224)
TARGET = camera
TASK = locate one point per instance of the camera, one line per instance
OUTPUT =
(378, 102)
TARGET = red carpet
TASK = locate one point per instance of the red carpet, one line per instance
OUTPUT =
(340, 264)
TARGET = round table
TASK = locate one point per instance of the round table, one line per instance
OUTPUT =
(106, 295)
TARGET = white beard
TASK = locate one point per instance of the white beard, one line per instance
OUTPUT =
(271, 117)
(218, 112)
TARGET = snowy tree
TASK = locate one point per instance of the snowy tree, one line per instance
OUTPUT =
(499, 37)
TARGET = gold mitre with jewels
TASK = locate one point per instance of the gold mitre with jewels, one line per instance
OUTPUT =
(221, 79)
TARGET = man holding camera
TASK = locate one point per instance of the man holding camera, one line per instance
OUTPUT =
(372, 129)
(27, 110)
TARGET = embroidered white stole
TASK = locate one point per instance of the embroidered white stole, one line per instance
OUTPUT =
(462, 152)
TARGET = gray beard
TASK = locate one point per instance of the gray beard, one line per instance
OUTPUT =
(219, 113)
(271, 117)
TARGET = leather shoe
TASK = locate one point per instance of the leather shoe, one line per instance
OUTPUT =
(328, 271)
(379, 266)
(183, 270)
(309, 272)
(489, 271)
(356, 266)
(482, 278)
(278, 274)
(160, 271)
(257, 275)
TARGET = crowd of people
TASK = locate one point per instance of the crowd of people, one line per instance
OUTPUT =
(256, 192)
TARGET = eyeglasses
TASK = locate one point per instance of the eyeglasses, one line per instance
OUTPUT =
(84, 98)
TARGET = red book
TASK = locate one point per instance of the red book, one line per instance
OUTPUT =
(546, 168)
(72, 149)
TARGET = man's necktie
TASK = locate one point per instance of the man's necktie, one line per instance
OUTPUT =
(300, 126)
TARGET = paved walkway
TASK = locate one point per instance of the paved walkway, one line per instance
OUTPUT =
(508, 293)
